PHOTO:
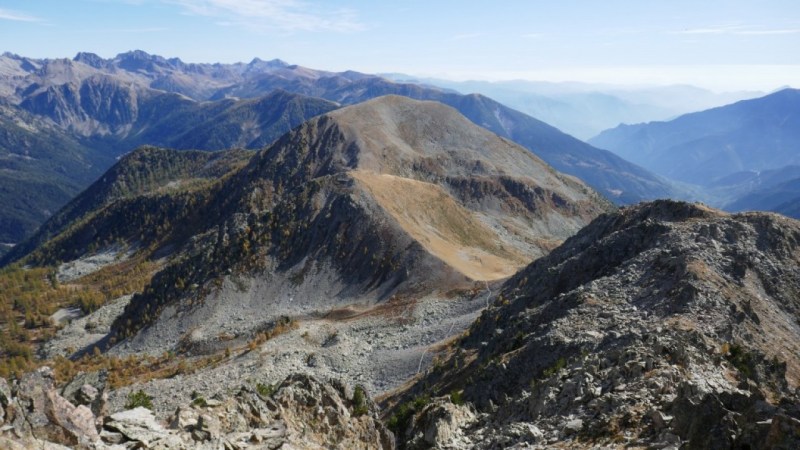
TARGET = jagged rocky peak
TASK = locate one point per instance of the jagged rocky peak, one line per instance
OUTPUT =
(139, 60)
(91, 59)
(664, 324)
(260, 64)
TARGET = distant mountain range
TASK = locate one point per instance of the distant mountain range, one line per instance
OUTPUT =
(703, 147)
(774, 196)
(744, 155)
(99, 109)
(583, 109)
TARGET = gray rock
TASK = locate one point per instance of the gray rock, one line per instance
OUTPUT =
(573, 426)
(660, 420)
(40, 411)
(77, 392)
(111, 437)
(302, 413)
(87, 395)
(207, 428)
(137, 425)
(440, 424)
(5, 393)
(184, 418)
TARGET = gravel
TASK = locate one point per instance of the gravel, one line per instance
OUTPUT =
(378, 351)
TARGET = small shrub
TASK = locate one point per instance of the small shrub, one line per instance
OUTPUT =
(200, 401)
(519, 340)
(265, 390)
(360, 406)
(457, 397)
(400, 420)
(741, 359)
(139, 398)
(438, 364)
(555, 368)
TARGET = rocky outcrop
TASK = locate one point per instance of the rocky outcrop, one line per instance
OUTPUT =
(441, 425)
(35, 413)
(89, 389)
(301, 412)
(666, 325)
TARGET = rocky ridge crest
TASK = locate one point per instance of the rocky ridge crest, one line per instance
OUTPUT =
(665, 325)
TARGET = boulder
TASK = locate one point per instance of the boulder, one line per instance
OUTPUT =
(573, 426)
(184, 418)
(441, 422)
(93, 396)
(49, 416)
(87, 395)
(138, 425)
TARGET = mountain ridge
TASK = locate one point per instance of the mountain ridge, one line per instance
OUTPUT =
(116, 104)
(142, 117)
(322, 216)
(661, 324)
(704, 146)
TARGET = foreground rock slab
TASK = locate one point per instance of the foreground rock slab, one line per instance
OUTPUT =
(301, 412)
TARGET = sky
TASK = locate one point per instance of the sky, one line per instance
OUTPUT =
(721, 45)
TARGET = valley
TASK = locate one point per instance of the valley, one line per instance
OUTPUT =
(741, 156)
(265, 255)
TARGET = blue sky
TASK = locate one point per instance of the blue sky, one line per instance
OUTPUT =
(718, 44)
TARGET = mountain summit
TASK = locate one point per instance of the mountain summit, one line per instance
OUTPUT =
(356, 206)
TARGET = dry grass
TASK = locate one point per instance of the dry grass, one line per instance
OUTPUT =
(442, 226)
(132, 369)
(284, 325)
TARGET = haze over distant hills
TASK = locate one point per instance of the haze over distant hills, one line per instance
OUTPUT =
(583, 109)
(101, 108)
(744, 149)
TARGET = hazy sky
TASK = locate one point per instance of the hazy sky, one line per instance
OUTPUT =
(719, 44)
